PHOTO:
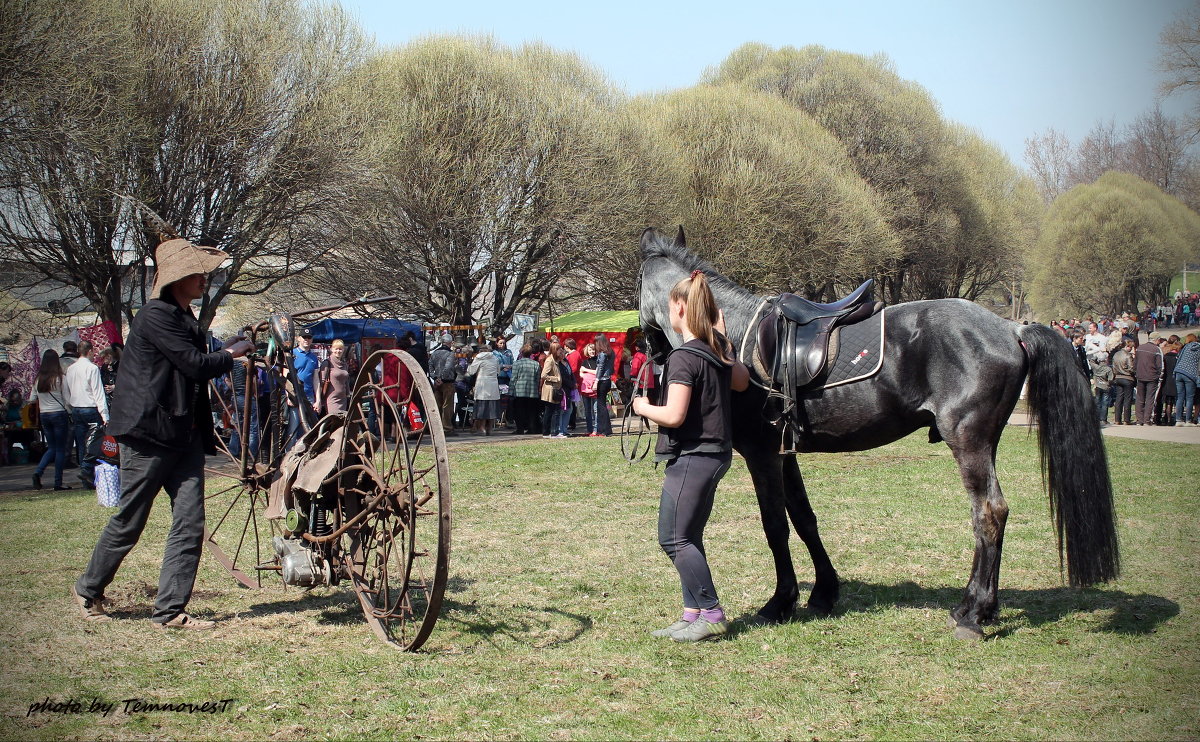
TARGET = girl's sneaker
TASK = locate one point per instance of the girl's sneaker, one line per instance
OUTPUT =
(679, 625)
(701, 630)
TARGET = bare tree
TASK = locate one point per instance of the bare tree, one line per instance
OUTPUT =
(1100, 151)
(1049, 159)
(223, 115)
(66, 136)
(1156, 150)
(1179, 46)
(253, 148)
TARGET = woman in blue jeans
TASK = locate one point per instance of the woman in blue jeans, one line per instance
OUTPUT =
(1187, 373)
(604, 373)
(55, 421)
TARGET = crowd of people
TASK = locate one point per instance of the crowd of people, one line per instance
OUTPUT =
(1177, 315)
(1143, 383)
(63, 420)
(548, 388)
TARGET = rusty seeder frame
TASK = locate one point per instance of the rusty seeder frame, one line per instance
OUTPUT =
(361, 496)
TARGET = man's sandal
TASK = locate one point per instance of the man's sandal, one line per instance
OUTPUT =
(184, 621)
(91, 610)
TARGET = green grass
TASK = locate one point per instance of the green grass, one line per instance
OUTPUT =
(556, 578)
(1177, 282)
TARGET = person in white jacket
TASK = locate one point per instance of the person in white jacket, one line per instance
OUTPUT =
(486, 370)
(89, 411)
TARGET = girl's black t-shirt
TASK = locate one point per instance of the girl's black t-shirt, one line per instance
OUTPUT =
(708, 426)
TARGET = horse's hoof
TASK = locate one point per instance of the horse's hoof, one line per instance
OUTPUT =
(770, 616)
(968, 633)
(820, 608)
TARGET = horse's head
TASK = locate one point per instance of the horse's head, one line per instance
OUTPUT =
(666, 261)
(654, 285)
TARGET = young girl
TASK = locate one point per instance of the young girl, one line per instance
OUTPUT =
(696, 441)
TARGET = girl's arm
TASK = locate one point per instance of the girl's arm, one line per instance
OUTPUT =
(739, 381)
(669, 415)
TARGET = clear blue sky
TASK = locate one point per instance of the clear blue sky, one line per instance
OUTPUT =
(1009, 69)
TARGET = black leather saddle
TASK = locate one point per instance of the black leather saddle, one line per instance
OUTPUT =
(794, 333)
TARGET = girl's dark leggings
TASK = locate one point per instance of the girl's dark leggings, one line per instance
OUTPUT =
(687, 501)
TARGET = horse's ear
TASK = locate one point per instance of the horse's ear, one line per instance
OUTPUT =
(649, 239)
(680, 239)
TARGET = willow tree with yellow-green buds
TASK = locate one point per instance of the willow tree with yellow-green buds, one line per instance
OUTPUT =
(766, 193)
(897, 141)
(1109, 246)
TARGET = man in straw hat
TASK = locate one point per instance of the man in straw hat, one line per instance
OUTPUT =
(162, 419)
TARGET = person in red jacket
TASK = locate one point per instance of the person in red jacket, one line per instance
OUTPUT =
(574, 360)
(636, 363)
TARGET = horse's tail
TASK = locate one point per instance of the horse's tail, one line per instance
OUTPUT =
(1074, 465)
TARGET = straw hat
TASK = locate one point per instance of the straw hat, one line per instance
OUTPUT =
(178, 258)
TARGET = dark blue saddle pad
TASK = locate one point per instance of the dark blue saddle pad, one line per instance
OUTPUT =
(859, 351)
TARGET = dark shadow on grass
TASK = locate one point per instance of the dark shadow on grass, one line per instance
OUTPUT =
(1133, 614)
(520, 623)
(338, 606)
(525, 624)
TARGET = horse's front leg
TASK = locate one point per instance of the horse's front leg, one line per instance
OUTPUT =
(768, 486)
(826, 586)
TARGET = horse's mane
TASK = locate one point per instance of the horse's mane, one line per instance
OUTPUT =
(654, 245)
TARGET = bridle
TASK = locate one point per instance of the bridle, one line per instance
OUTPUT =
(639, 447)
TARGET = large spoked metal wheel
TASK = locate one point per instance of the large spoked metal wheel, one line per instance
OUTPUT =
(236, 533)
(394, 479)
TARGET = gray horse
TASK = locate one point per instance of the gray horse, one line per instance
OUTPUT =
(949, 365)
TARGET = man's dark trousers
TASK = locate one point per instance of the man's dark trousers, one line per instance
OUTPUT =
(89, 431)
(1147, 392)
(147, 468)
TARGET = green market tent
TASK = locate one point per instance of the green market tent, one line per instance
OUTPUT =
(593, 322)
(583, 326)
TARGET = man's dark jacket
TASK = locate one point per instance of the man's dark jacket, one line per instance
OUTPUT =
(1081, 360)
(162, 392)
(1149, 363)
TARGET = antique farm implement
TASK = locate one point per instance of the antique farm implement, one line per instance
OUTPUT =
(342, 498)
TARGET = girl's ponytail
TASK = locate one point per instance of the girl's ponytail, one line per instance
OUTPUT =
(702, 313)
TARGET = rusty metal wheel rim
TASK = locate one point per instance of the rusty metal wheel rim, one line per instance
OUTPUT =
(398, 557)
(235, 533)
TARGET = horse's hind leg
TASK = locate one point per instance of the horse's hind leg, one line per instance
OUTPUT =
(768, 486)
(989, 513)
(825, 585)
